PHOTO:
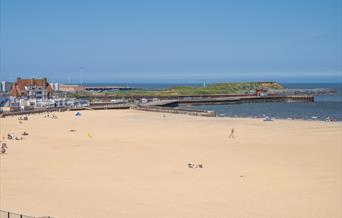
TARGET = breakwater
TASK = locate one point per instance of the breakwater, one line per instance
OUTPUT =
(232, 100)
(108, 107)
(204, 113)
(311, 91)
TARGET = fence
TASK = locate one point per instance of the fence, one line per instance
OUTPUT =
(7, 214)
(61, 109)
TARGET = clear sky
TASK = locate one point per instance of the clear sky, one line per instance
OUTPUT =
(171, 41)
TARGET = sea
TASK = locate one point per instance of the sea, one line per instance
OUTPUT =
(324, 107)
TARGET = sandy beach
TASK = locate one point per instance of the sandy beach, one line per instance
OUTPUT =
(126, 163)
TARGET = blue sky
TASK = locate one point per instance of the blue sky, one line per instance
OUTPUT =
(171, 41)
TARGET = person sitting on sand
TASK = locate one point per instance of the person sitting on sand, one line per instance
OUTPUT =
(3, 148)
(232, 133)
(9, 136)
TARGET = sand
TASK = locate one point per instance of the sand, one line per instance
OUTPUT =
(126, 163)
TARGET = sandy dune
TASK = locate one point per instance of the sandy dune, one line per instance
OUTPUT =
(134, 164)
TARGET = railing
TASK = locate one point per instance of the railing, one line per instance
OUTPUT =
(7, 214)
(60, 109)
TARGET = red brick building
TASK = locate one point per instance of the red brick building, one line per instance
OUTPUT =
(261, 92)
(31, 88)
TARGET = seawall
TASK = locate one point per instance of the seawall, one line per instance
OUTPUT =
(175, 111)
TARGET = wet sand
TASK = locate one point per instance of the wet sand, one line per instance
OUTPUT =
(126, 163)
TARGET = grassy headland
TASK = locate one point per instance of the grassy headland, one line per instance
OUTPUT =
(211, 89)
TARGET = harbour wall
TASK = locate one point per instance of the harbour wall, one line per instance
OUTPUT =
(175, 111)
(249, 99)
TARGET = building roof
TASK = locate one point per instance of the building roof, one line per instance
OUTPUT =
(18, 88)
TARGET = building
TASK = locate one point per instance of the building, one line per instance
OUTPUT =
(55, 86)
(70, 88)
(261, 92)
(31, 89)
(5, 86)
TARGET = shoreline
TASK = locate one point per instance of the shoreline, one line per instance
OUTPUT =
(190, 111)
(284, 119)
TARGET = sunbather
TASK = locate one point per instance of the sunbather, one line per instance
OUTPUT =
(3, 148)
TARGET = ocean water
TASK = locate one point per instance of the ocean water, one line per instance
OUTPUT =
(326, 106)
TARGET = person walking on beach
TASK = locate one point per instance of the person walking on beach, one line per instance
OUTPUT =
(231, 136)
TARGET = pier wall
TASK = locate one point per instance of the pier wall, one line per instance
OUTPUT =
(175, 111)
(250, 99)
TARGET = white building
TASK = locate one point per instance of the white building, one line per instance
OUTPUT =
(55, 86)
(5, 86)
(26, 104)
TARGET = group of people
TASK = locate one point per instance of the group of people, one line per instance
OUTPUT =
(231, 136)
(11, 136)
(23, 118)
(52, 117)
(192, 165)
